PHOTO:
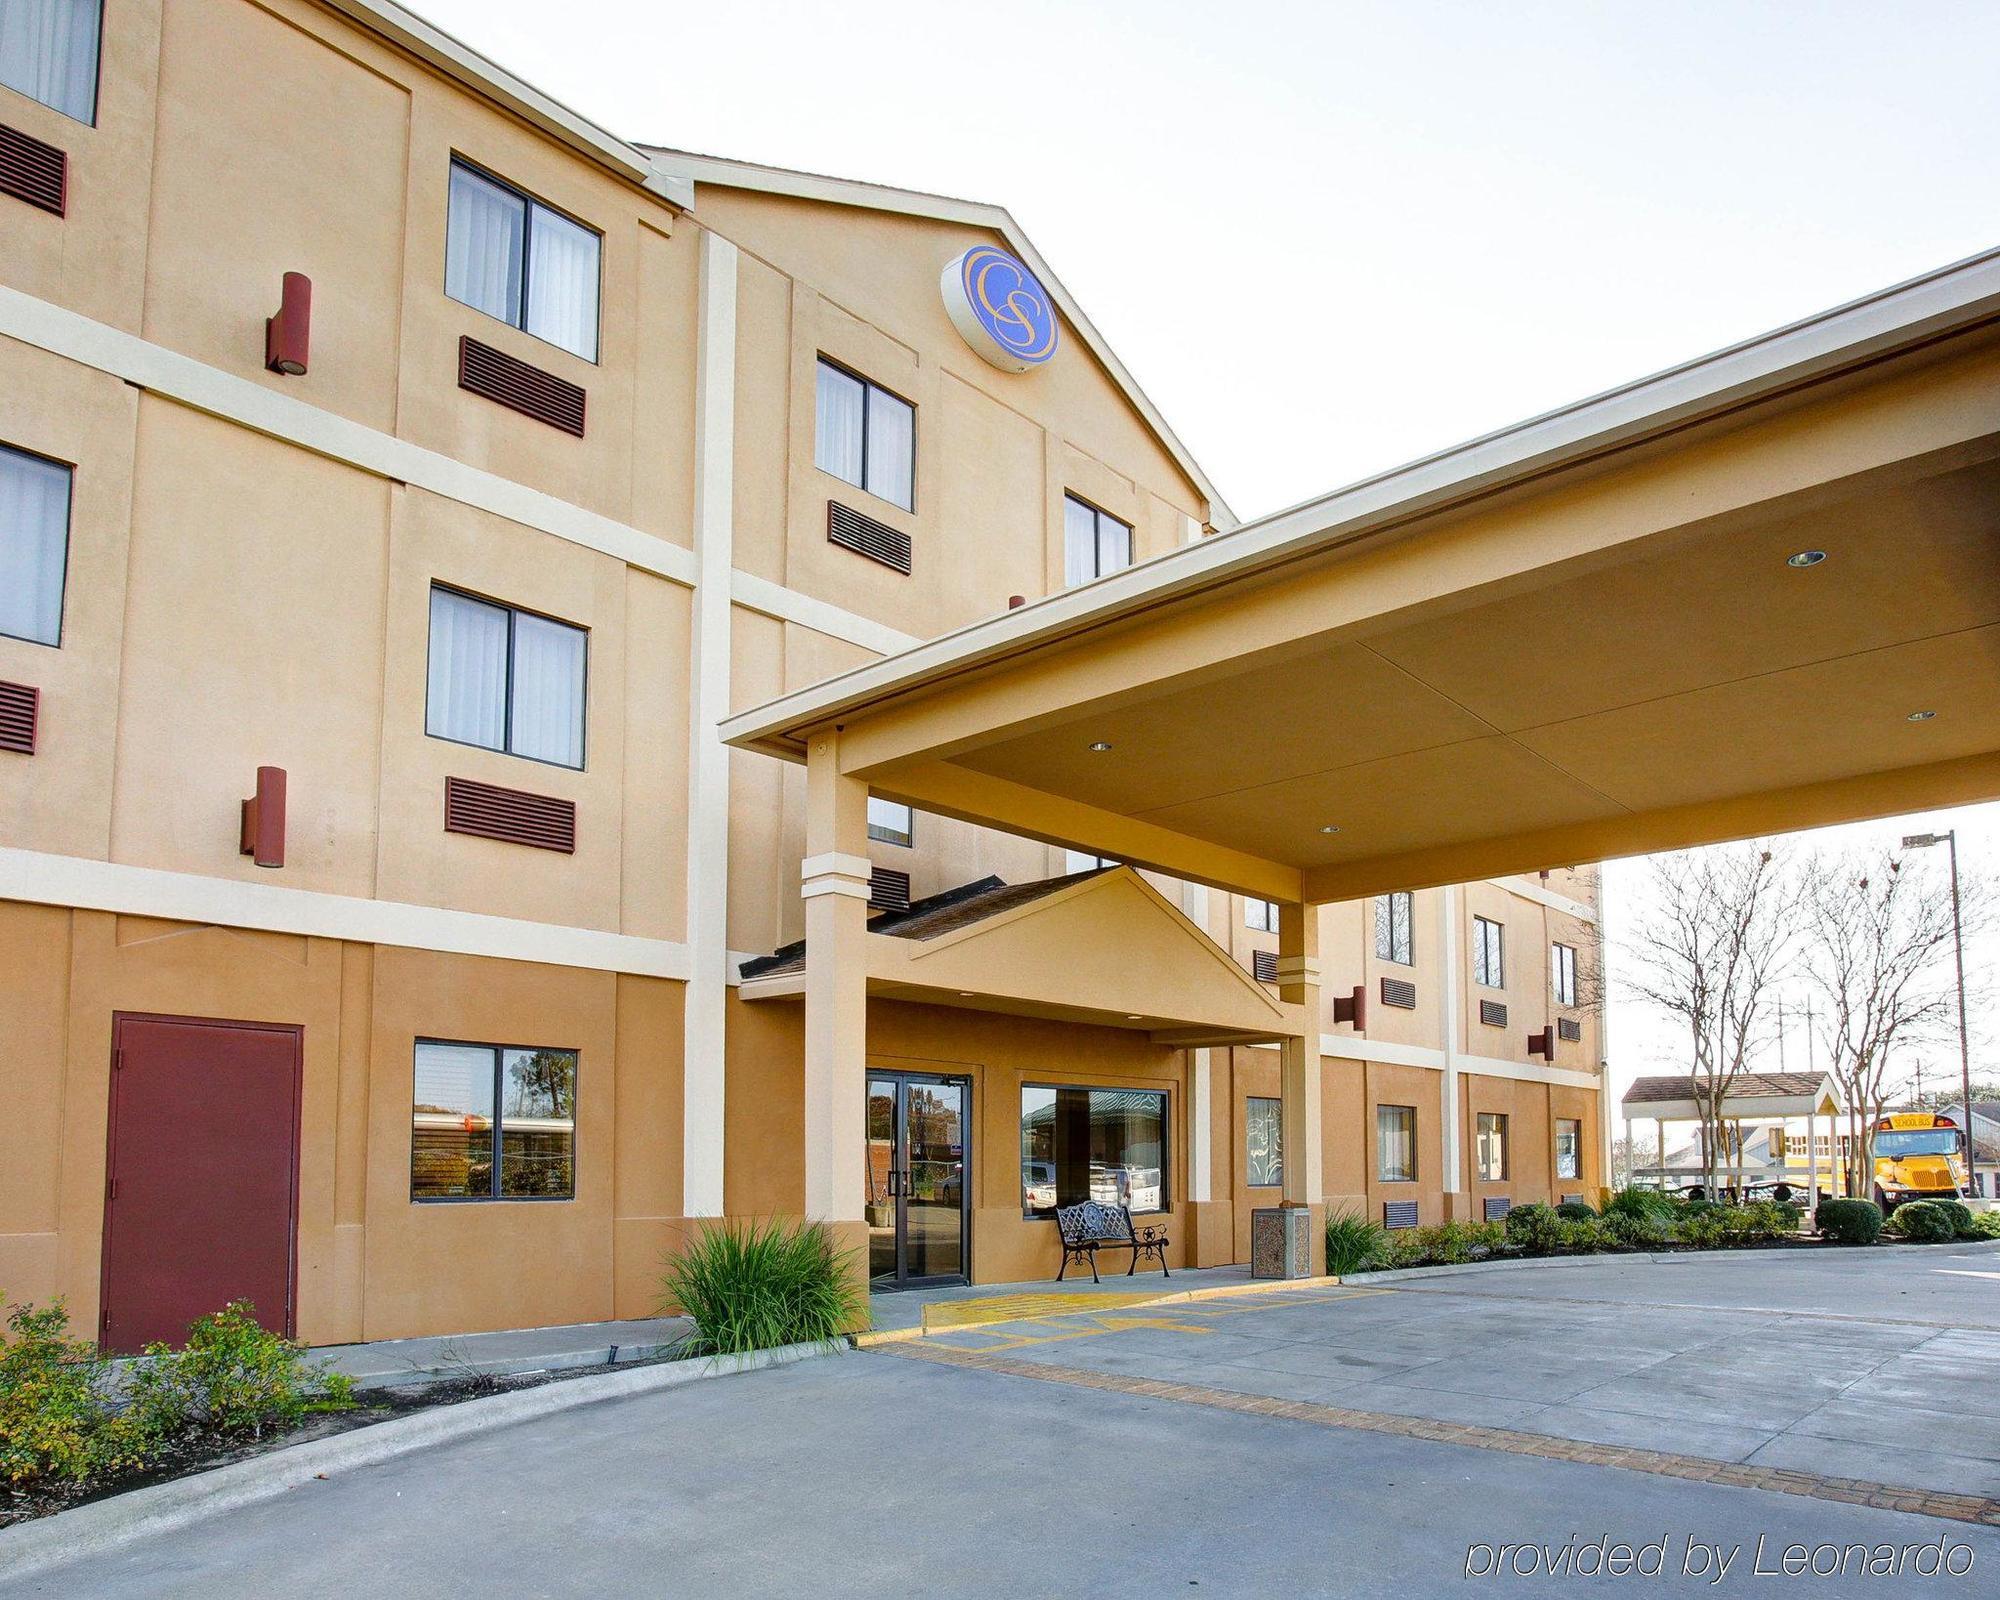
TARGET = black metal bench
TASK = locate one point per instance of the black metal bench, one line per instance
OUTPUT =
(1091, 1227)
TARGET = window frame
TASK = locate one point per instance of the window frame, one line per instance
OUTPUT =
(1408, 945)
(96, 87)
(1562, 972)
(1099, 516)
(1556, 1154)
(530, 203)
(494, 1195)
(1381, 1167)
(1166, 1099)
(1489, 974)
(822, 359)
(1270, 914)
(68, 529)
(1250, 1102)
(882, 833)
(506, 748)
(1098, 863)
(1498, 1131)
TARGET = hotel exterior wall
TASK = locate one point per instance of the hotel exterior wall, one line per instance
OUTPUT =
(372, 1263)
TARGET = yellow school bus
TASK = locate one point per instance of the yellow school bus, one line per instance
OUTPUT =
(1919, 1155)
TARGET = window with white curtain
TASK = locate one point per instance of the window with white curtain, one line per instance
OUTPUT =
(516, 259)
(1094, 542)
(1260, 915)
(505, 679)
(864, 435)
(889, 822)
(48, 51)
(34, 542)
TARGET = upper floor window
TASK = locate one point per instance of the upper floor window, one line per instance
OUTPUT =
(1392, 928)
(48, 51)
(1562, 973)
(1488, 953)
(34, 545)
(505, 679)
(515, 259)
(1094, 542)
(865, 435)
(889, 822)
(1262, 915)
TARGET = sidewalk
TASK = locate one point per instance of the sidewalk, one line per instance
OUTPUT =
(389, 1363)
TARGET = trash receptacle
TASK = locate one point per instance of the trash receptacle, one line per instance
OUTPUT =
(1281, 1242)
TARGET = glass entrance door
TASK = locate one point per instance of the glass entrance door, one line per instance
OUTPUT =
(917, 1199)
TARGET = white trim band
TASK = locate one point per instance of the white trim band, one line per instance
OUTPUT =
(73, 881)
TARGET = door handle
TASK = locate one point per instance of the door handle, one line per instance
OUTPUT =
(893, 1176)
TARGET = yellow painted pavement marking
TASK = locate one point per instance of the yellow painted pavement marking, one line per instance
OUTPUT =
(1020, 1307)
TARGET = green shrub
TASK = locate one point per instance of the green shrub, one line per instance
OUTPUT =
(1923, 1222)
(1636, 1230)
(1961, 1217)
(754, 1286)
(1354, 1243)
(1587, 1236)
(1985, 1224)
(1536, 1229)
(1633, 1201)
(1709, 1228)
(1849, 1221)
(232, 1377)
(57, 1419)
(1769, 1221)
(1577, 1210)
(1445, 1244)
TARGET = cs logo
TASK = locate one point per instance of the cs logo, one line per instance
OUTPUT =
(999, 309)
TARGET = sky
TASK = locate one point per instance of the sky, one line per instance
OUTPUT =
(1331, 237)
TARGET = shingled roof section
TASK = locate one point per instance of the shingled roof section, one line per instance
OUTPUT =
(931, 917)
(1745, 1086)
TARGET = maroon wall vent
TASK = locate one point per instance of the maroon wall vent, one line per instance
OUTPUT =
(1496, 1207)
(488, 811)
(520, 387)
(1400, 993)
(1399, 1214)
(1493, 1013)
(32, 171)
(288, 335)
(20, 717)
(852, 530)
(888, 889)
(1352, 1008)
(1264, 965)
(1569, 1030)
(263, 838)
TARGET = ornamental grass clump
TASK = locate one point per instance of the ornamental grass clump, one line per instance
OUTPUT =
(756, 1286)
(1354, 1243)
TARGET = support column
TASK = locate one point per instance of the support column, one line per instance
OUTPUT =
(704, 1040)
(1300, 1074)
(834, 884)
(1457, 1202)
(1812, 1161)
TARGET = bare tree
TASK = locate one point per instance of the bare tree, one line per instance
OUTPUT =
(1878, 936)
(1710, 950)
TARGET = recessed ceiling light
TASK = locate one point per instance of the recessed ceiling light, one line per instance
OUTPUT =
(1133, 1016)
(965, 994)
(1920, 716)
(1806, 558)
(1331, 827)
(1099, 745)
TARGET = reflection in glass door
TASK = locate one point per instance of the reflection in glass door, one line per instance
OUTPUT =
(917, 1202)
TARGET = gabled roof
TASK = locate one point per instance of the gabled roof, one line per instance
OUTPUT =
(1749, 1095)
(729, 174)
(1744, 1086)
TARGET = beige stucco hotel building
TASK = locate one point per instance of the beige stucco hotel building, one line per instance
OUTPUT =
(450, 553)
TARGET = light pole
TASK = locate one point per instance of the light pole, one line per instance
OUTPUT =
(1923, 841)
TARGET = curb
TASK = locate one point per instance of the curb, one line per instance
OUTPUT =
(1634, 1258)
(103, 1525)
(1171, 1297)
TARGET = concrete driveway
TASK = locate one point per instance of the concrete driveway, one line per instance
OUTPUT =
(1880, 1365)
(1038, 1458)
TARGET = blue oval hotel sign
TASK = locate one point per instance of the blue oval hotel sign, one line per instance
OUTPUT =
(999, 308)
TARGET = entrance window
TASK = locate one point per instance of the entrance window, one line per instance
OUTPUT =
(1569, 1148)
(1108, 1145)
(1266, 1122)
(493, 1122)
(1396, 1144)
(1094, 542)
(1491, 1147)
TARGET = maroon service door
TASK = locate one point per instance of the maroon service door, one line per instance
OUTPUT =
(202, 1197)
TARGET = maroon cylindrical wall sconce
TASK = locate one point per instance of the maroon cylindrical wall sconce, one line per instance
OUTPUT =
(264, 819)
(1352, 1008)
(1016, 601)
(288, 335)
(1543, 1044)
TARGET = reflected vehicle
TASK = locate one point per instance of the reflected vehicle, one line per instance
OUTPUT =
(1038, 1185)
(1135, 1188)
